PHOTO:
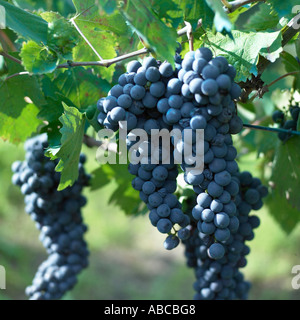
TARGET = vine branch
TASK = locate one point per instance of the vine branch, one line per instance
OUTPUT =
(189, 33)
(8, 56)
(104, 63)
(251, 126)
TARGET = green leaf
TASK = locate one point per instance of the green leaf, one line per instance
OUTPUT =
(62, 36)
(290, 62)
(284, 8)
(243, 52)
(273, 50)
(50, 113)
(73, 125)
(124, 196)
(169, 11)
(233, 16)
(20, 98)
(221, 20)
(194, 10)
(263, 19)
(286, 171)
(106, 33)
(281, 210)
(28, 25)
(291, 65)
(82, 52)
(37, 59)
(92, 117)
(81, 86)
(109, 6)
(156, 35)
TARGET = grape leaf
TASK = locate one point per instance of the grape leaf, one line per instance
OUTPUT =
(64, 7)
(37, 59)
(194, 10)
(20, 100)
(233, 16)
(263, 19)
(72, 131)
(285, 8)
(62, 36)
(106, 33)
(287, 165)
(243, 52)
(51, 113)
(291, 65)
(82, 52)
(221, 20)
(28, 25)
(290, 62)
(130, 201)
(282, 211)
(168, 10)
(81, 86)
(109, 6)
(156, 35)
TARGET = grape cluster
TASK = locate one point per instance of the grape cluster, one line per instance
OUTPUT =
(222, 279)
(203, 97)
(135, 100)
(288, 121)
(199, 94)
(57, 215)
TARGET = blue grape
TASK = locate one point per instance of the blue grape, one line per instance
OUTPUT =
(171, 242)
(209, 87)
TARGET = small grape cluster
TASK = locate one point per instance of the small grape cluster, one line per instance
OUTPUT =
(222, 279)
(286, 121)
(57, 215)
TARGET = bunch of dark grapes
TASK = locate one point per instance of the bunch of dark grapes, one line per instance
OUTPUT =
(200, 94)
(286, 121)
(223, 279)
(203, 97)
(135, 100)
(57, 215)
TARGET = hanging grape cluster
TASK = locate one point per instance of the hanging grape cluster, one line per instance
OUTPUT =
(200, 94)
(57, 215)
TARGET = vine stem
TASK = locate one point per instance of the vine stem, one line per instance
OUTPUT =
(17, 74)
(251, 126)
(7, 41)
(104, 63)
(189, 33)
(8, 56)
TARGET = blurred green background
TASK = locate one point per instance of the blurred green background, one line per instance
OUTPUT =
(127, 259)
